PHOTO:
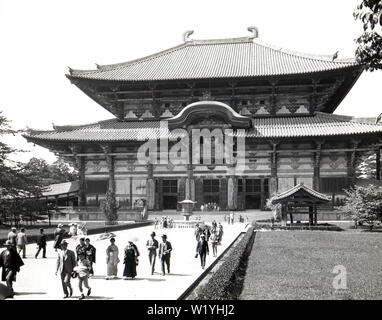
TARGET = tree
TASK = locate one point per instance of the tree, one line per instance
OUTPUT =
(110, 207)
(369, 51)
(364, 204)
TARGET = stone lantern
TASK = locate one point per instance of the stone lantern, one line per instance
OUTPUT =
(187, 206)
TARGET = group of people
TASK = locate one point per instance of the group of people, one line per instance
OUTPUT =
(163, 222)
(131, 254)
(76, 265)
(210, 206)
(203, 235)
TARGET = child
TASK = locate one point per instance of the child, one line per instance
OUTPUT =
(83, 270)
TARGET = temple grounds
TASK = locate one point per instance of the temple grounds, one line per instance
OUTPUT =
(37, 278)
(300, 264)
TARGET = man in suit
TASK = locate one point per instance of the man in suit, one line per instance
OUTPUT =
(41, 244)
(152, 246)
(21, 242)
(11, 262)
(202, 250)
(66, 261)
(164, 254)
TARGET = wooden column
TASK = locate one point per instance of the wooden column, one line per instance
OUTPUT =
(80, 160)
(150, 187)
(110, 165)
(283, 215)
(232, 193)
(273, 179)
(316, 166)
(315, 214)
(262, 196)
(310, 215)
(351, 161)
(190, 183)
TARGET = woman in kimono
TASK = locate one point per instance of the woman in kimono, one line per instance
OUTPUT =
(130, 261)
(59, 234)
(112, 260)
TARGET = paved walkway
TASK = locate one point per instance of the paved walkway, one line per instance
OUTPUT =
(37, 278)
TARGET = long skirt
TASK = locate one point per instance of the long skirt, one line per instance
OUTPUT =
(130, 267)
(112, 269)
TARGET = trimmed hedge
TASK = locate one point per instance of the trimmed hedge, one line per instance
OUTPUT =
(223, 284)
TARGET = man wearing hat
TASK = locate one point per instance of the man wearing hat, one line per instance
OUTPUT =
(152, 246)
(11, 262)
(41, 244)
(164, 254)
(12, 236)
(66, 261)
(202, 249)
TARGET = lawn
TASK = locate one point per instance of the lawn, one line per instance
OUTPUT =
(299, 265)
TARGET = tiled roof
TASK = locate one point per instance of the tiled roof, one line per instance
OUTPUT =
(61, 188)
(297, 189)
(320, 124)
(224, 58)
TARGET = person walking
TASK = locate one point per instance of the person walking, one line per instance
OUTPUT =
(214, 242)
(81, 249)
(164, 254)
(10, 262)
(207, 232)
(202, 250)
(66, 261)
(152, 246)
(198, 231)
(41, 244)
(112, 260)
(83, 271)
(21, 242)
(90, 255)
(59, 234)
(12, 237)
(130, 261)
(220, 233)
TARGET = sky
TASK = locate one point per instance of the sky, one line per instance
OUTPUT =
(39, 39)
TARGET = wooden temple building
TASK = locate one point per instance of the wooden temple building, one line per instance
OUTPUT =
(282, 101)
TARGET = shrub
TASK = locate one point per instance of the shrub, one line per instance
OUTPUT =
(110, 207)
(364, 204)
(222, 284)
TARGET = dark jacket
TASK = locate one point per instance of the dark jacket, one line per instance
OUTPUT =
(165, 249)
(10, 259)
(202, 247)
(66, 260)
(91, 253)
(41, 240)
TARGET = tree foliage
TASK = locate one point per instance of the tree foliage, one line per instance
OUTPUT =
(364, 204)
(369, 50)
(110, 207)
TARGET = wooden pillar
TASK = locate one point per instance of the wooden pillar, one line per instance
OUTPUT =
(232, 193)
(244, 193)
(315, 214)
(283, 215)
(310, 215)
(262, 196)
(316, 166)
(82, 185)
(351, 161)
(150, 187)
(273, 179)
(378, 163)
(190, 183)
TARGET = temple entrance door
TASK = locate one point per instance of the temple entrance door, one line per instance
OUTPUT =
(211, 191)
(252, 201)
(170, 202)
(170, 194)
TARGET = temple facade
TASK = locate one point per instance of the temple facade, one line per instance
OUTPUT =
(273, 105)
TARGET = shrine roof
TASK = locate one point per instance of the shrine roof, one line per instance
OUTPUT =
(61, 188)
(301, 191)
(317, 125)
(221, 58)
